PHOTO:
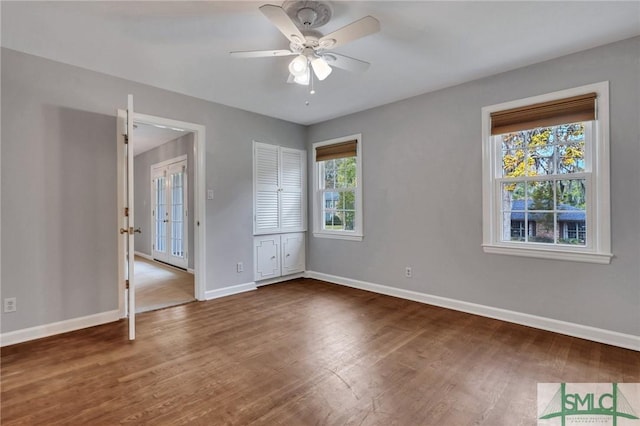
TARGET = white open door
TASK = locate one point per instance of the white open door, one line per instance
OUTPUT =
(126, 246)
(131, 305)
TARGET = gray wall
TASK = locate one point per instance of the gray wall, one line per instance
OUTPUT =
(59, 219)
(423, 198)
(422, 195)
(142, 189)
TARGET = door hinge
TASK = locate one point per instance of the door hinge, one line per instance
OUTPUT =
(126, 211)
(126, 284)
(126, 139)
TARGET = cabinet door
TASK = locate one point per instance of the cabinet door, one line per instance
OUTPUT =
(292, 189)
(266, 190)
(267, 257)
(293, 253)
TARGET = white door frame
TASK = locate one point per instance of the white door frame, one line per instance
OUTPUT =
(199, 215)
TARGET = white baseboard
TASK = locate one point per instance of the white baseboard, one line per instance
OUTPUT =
(627, 341)
(143, 255)
(228, 291)
(281, 279)
(46, 330)
(146, 256)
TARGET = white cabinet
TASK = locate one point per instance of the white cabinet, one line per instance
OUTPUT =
(279, 189)
(292, 253)
(279, 211)
(267, 257)
(278, 255)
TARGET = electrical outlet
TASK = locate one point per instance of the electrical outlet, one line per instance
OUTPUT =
(209, 194)
(408, 273)
(10, 304)
(239, 267)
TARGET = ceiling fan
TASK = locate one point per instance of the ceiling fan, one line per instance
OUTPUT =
(297, 20)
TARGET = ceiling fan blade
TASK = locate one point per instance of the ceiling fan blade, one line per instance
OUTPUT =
(353, 31)
(261, 53)
(345, 62)
(281, 20)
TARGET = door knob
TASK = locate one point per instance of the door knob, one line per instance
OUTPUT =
(124, 231)
(137, 230)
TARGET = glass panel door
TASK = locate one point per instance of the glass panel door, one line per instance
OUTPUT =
(160, 218)
(177, 217)
(169, 214)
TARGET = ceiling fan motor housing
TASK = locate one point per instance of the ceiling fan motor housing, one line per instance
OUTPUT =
(308, 14)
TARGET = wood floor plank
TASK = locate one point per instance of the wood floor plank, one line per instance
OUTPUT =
(299, 353)
(159, 285)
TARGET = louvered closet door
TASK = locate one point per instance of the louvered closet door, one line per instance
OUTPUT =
(266, 178)
(292, 209)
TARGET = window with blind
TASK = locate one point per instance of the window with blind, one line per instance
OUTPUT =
(546, 176)
(337, 202)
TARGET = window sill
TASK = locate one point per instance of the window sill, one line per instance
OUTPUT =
(349, 237)
(554, 254)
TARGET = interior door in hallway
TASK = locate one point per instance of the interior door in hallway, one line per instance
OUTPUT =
(169, 212)
(126, 245)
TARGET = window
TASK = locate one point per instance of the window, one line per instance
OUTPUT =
(546, 176)
(575, 231)
(337, 202)
(518, 229)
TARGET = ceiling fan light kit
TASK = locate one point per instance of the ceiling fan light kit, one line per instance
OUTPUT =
(302, 79)
(321, 68)
(296, 21)
(298, 65)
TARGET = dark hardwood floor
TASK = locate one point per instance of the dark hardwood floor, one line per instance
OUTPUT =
(299, 353)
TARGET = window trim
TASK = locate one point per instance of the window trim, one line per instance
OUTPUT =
(598, 211)
(358, 233)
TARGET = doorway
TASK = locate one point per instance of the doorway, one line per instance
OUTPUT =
(163, 186)
(194, 216)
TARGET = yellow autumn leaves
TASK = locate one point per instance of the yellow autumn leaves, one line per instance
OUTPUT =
(529, 153)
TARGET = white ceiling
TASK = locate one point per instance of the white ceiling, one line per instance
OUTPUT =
(422, 46)
(148, 137)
